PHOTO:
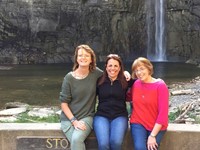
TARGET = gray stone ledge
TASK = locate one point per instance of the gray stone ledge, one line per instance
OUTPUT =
(177, 137)
(56, 126)
(29, 126)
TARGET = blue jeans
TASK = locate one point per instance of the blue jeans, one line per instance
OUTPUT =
(110, 133)
(140, 136)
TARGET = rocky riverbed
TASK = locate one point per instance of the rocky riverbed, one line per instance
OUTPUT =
(17, 112)
(184, 105)
(181, 93)
(185, 101)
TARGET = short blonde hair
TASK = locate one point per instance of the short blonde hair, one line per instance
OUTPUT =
(141, 61)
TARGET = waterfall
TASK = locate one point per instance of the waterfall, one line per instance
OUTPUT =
(156, 44)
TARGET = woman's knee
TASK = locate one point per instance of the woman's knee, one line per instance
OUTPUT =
(80, 136)
(77, 139)
(140, 147)
(115, 145)
(103, 146)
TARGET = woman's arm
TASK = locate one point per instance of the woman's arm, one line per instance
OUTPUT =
(162, 118)
(151, 142)
(67, 111)
(76, 123)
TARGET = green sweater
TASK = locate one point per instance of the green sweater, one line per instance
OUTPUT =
(80, 94)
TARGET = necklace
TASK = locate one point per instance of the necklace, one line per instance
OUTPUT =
(79, 76)
(142, 90)
(144, 87)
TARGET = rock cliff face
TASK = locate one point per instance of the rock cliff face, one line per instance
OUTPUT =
(47, 31)
(183, 32)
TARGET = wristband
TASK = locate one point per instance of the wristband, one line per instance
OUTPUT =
(152, 135)
(73, 119)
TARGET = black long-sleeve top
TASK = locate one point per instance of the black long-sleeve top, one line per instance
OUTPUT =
(112, 99)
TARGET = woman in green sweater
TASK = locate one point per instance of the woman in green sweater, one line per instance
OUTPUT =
(78, 97)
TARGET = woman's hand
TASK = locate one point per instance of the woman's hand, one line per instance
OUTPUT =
(127, 75)
(151, 143)
(79, 125)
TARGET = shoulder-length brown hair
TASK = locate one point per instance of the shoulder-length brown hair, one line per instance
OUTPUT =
(90, 51)
(120, 77)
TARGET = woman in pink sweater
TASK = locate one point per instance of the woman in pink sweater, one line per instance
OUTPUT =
(150, 97)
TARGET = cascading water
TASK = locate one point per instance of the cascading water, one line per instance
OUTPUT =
(156, 44)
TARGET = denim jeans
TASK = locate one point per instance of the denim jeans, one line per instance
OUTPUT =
(110, 133)
(140, 136)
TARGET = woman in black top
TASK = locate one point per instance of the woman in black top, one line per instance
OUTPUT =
(111, 119)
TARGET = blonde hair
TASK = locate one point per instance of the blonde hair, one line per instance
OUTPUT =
(141, 61)
(88, 50)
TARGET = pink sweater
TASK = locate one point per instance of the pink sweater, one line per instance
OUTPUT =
(150, 104)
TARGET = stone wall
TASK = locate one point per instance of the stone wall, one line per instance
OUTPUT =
(48, 136)
(183, 28)
(47, 31)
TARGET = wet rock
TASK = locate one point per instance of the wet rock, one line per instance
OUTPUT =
(41, 112)
(5, 67)
(182, 92)
(12, 111)
(16, 105)
(8, 119)
(189, 121)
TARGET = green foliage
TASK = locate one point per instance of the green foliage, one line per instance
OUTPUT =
(128, 107)
(197, 120)
(25, 118)
(195, 117)
(173, 116)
